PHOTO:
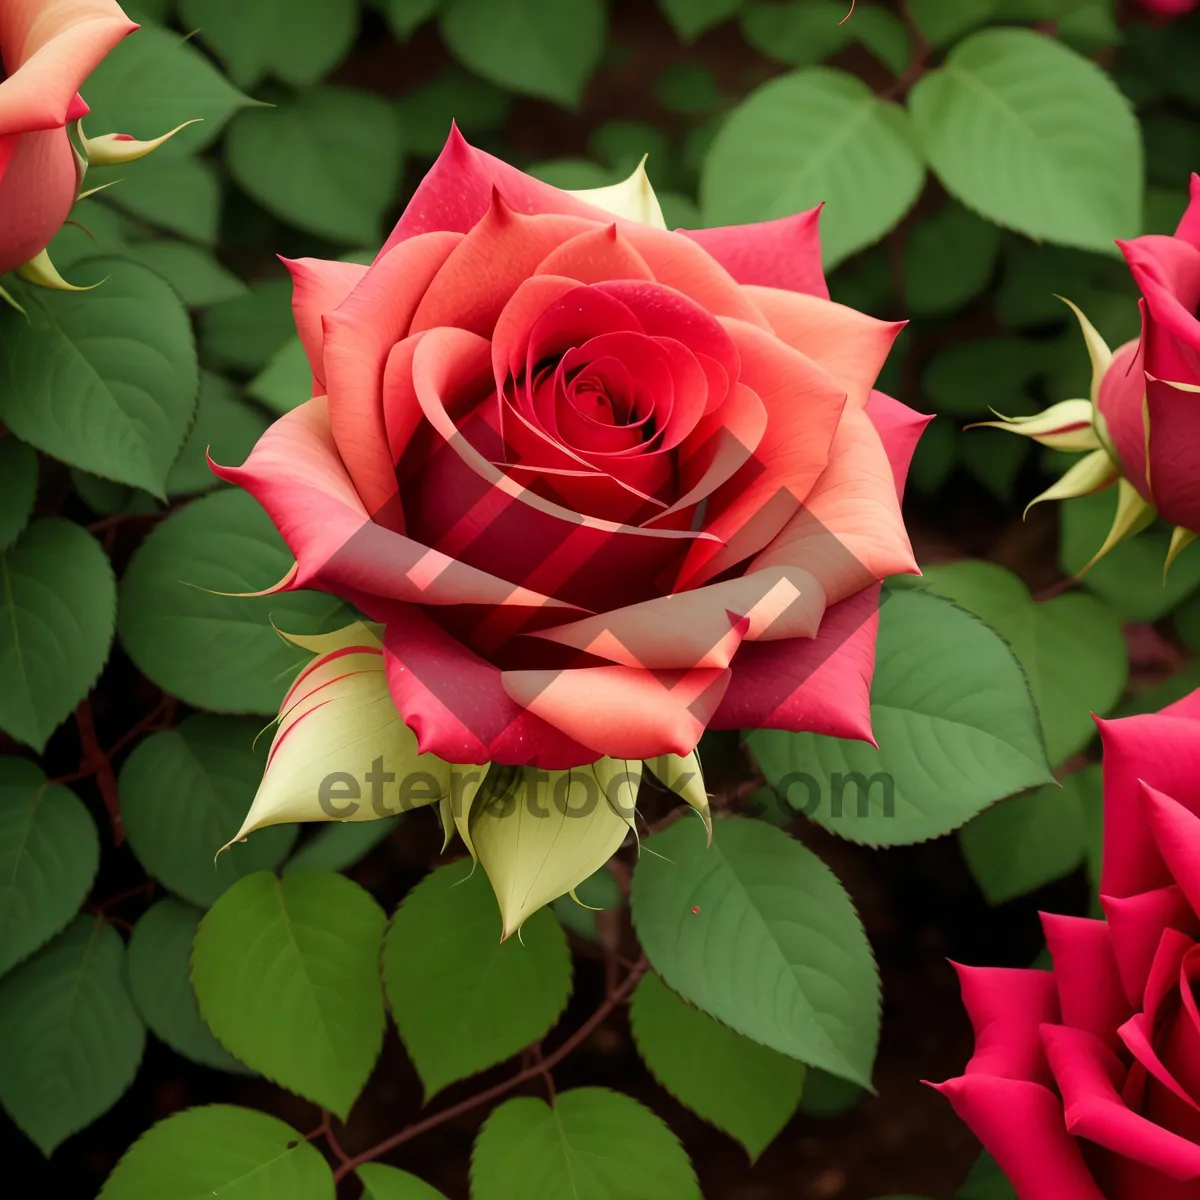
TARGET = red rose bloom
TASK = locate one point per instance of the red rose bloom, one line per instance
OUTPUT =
(1168, 8)
(604, 485)
(1085, 1083)
(48, 48)
(1150, 395)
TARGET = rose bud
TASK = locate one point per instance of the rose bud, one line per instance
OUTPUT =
(1085, 1081)
(603, 486)
(48, 47)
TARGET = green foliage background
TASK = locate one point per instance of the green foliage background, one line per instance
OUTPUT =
(975, 157)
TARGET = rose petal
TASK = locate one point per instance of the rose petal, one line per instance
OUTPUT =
(359, 336)
(1163, 751)
(820, 684)
(784, 253)
(482, 272)
(296, 474)
(850, 345)
(1090, 994)
(623, 712)
(49, 50)
(1189, 225)
(458, 189)
(804, 406)
(593, 256)
(1173, 419)
(318, 287)
(37, 189)
(900, 429)
(1136, 924)
(700, 628)
(1167, 271)
(456, 704)
(850, 531)
(1021, 1125)
(1087, 1073)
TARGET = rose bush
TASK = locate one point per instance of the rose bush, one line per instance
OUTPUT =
(48, 50)
(1085, 1083)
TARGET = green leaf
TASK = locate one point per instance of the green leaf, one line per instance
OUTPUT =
(192, 271)
(71, 1036)
(814, 136)
(182, 195)
(388, 1183)
(18, 488)
(270, 37)
(995, 458)
(775, 951)
(689, 88)
(986, 1182)
(220, 1150)
(799, 33)
(287, 975)
(884, 34)
(286, 380)
(464, 1000)
(57, 604)
(426, 112)
(970, 378)
(956, 728)
(743, 1088)
(1130, 576)
(407, 16)
(546, 48)
(949, 259)
(244, 333)
(1021, 844)
(1071, 647)
(691, 18)
(212, 651)
(49, 852)
(1033, 136)
(341, 844)
(327, 161)
(226, 427)
(185, 793)
(102, 380)
(160, 951)
(944, 21)
(593, 1143)
(1157, 696)
(153, 81)
(572, 174)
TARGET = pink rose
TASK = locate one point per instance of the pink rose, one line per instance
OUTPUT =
(48, 47)
(604, 485)
(1168, 8)
(1150, 395)
(1085, 1082)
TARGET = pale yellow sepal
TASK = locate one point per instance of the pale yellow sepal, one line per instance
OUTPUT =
(1181, 539)
(632, 198)
(545, 834)
(465, 782)
(685, 778)
(1098, 350)
(341, 751)
(1132, 515)
(44, 273)
(1091, 474)
(1064, 426)
(7, 298)
(112, 148)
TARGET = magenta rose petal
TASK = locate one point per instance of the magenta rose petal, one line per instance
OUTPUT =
(784, 253)
(1086, 1072)
(1137, 924)
(1090, 994)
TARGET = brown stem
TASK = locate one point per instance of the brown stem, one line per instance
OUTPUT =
(95, 761)
(918, 60)
(538, 1069)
